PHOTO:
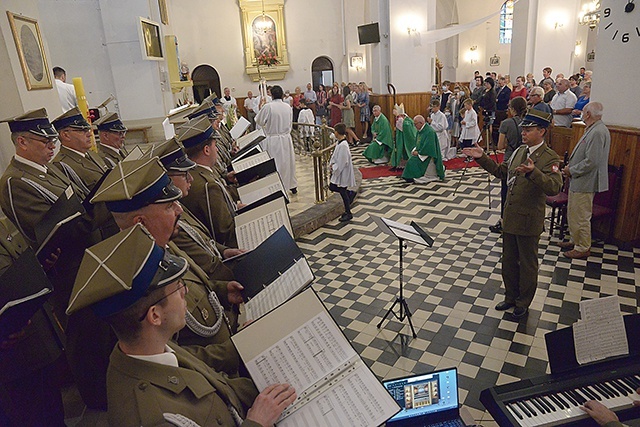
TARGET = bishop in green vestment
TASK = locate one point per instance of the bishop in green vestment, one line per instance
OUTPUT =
(405, 139)
(425, 164)
(378, 151)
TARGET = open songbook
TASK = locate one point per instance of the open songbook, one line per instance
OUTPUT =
(250, 139)
(239, 128)
(260, 188)
(272, 273)
(254, 167)
(259, 220)
(247, 162)
(24, 287)
(300, 344)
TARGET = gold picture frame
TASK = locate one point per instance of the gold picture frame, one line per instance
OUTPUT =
(33, 60)
(263, 31)
(164, 13)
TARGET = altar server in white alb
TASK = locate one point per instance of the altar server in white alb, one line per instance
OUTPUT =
(440, 124)
(276, 119)
(342, 175)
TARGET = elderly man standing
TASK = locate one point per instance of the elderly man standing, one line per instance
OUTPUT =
(276, 119)
(587, 169)
(532, 173)
(251, 105)
(562, 104)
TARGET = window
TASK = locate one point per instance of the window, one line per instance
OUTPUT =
(506, 21)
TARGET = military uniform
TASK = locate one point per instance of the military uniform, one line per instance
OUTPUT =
(29, 395)
(110, 155)
(523, 218)
(89, 168)
(143, 392)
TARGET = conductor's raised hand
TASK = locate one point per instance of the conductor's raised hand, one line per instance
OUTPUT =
(270, 403)
(526, 167)
(476, 151)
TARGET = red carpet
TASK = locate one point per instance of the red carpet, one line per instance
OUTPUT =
(451, 165)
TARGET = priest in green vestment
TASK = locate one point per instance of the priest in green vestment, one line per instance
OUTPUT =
(378, 151)
(425, 164)
(405, 138)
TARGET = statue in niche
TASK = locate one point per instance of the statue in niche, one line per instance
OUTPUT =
(265, 41)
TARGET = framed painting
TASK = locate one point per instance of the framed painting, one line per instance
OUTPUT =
(494, 61)
(265, 47)
(164, 13)
(149, 33)
(33, 61)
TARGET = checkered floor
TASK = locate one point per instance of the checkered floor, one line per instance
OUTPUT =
(451, 288)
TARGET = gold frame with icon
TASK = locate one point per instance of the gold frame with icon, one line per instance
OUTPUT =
(33, 59)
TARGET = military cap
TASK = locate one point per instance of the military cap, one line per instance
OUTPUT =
(171, 154)
(180, 117)
(536, 118)
(206, 108)
(135, 184)
(122, 269)
(196, 131)
(110, 122)
(34, 121)
(213, 98)
(73, 119)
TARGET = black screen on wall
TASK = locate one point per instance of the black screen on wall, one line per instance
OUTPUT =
(369, 33)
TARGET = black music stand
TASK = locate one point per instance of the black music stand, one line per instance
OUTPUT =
(402, 232)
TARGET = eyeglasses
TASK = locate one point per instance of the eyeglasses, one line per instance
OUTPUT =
(53, 140)
(186, 175)
(80, 130)
(180, 286)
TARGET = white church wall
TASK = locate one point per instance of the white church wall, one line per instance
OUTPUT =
(15, 97)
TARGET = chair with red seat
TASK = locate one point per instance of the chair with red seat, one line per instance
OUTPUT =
(605, 204)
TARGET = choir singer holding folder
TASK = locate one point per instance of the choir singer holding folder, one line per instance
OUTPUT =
(151, 380)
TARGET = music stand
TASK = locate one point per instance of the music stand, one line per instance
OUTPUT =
(402, 232)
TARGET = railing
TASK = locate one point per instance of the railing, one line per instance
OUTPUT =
(315, 141)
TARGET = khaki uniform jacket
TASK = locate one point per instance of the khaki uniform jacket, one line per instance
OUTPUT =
(140, 392)
(39, 347)
(217, 351)
(89, 168)
(207, 202)
(525, 205)
(110, 157)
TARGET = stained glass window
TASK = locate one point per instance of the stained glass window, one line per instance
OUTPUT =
(506, 21)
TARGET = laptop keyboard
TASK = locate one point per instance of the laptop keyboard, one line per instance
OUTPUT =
(449, 423)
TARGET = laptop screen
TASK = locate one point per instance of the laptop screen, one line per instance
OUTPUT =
(424, 394)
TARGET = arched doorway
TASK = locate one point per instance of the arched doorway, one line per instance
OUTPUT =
(322, 72)
(205, 81)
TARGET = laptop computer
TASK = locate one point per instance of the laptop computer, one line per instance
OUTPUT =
(426, 399)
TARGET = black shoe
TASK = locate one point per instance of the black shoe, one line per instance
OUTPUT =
(345, 217)
(502, 306)
(393, 169)
(519, 312)
(497, 228)
(294, 190)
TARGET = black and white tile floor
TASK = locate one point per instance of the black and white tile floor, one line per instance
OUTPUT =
(452, 287)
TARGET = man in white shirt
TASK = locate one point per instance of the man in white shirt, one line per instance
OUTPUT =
(66, 91)
(562, 104)
(228, 101)
(251, 105)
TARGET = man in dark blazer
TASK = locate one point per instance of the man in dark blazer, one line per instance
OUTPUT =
(532, 173)
(588, 170)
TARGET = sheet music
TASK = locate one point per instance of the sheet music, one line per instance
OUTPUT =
(601, 334)
(401, 226)
(303, 357)
(239, 128)
(247, 139)
(352, 401)
(253, 227)
(281, 289)
(169, 130)
(251, 161)
(261, 188)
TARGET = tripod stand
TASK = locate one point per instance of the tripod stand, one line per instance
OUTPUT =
(403, 311)
(402, 232)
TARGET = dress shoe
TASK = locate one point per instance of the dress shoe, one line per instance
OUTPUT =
(574, 254)
(393, 169)
(566, 245)
(502, 306)
(345, 217)
(294, 190)
(519, 312)
(497, 228)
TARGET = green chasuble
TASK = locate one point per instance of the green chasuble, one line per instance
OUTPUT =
(382, 131)
(427, 145)
(405, 142)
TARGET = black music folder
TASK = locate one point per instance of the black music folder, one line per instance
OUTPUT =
(561, 349)
(256, 172)
(278, 263)
(59, 226)
(24, 287)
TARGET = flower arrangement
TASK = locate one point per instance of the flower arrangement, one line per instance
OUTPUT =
(267, 58)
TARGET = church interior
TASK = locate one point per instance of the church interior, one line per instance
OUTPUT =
(451, 288)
